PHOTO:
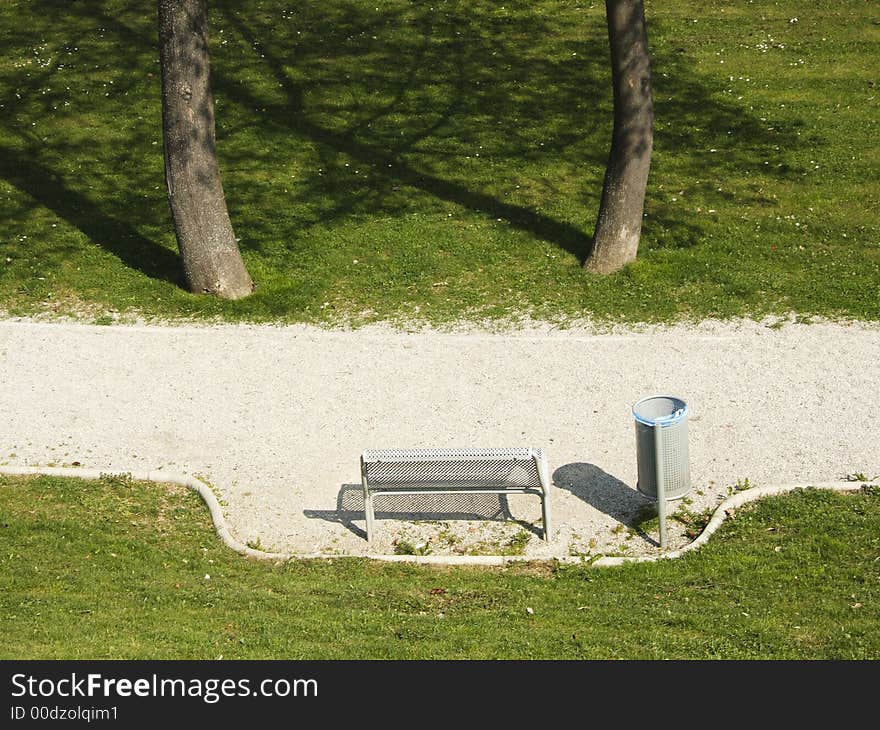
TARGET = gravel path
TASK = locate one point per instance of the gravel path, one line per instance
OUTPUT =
(276, 417)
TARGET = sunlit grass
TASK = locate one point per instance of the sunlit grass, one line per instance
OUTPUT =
(120, 569)
(440, 161)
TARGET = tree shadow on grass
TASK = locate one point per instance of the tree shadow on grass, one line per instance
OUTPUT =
(415, 111)
(384, 110)
(467, 105)
(113, 234)
(63, 143)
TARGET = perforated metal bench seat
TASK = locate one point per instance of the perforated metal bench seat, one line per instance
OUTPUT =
(454, 471)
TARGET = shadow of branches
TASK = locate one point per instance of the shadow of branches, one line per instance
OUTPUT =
(339, 109)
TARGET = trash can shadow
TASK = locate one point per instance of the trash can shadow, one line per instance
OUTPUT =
(601, 490)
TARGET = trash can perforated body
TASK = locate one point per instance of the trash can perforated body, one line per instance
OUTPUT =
(669, 414)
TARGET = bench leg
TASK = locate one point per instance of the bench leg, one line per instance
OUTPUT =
(544, 473)
(545, 512)
(369, 514)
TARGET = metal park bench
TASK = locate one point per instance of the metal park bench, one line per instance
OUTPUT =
(454, 471)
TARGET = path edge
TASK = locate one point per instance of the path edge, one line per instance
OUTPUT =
(160, 476)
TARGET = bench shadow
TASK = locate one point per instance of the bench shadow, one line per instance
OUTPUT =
(603, 491)
(417, 507)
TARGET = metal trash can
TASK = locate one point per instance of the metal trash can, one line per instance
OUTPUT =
(668, 414)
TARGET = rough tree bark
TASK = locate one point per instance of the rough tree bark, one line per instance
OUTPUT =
(212, 262)
(619, 224)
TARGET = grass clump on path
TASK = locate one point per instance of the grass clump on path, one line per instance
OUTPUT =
(119, 569)
(407, 161)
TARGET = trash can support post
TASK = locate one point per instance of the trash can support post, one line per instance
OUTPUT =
(659, 478)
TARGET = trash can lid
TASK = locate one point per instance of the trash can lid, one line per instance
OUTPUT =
(659, 410)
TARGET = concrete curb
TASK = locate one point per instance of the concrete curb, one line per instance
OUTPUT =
(726, 509)
(159, 476)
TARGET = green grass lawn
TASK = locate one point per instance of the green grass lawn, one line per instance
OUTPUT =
(116, 569)
(436, 161)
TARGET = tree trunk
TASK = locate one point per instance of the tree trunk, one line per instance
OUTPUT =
(212, 262)
(619, 224)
